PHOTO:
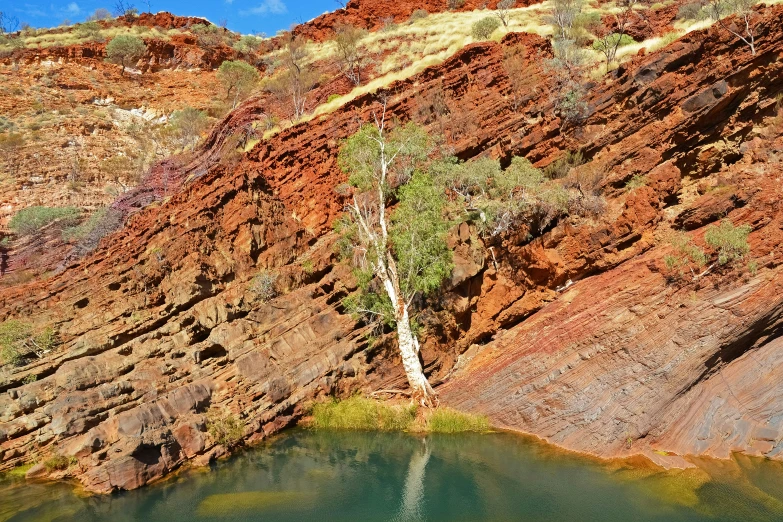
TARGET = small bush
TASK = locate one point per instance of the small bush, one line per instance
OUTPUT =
(730, 242)
(483, 29)
(455, 4)
(613, 40)
(207, 35)
(418, 14)
(247, 44)
(30, 220)
(562, 166)
(447, 420)
(20, 340)
(691, 11)
(59, 463)
(225, 429)
(125, 49)
(264, 285)
(636, 182)
(81, 231)
(332, 97)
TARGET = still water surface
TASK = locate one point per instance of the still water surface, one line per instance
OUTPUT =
(348, 476)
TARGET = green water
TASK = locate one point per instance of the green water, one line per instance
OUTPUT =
(325, 476)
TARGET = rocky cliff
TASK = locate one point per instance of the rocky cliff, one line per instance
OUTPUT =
(574, 334)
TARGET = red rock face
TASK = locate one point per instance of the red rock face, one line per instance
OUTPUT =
(373, 15)
(161, 323)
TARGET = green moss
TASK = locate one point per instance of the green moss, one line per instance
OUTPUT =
(20, 471)
(447, 420)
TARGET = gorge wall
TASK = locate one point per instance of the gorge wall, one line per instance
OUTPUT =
(574, 335)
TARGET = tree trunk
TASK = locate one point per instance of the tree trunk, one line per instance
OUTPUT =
(420, 387)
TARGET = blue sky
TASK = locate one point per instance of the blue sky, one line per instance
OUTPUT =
(246, 16)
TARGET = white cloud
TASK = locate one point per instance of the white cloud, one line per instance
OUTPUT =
(268, 7)
(73, 8)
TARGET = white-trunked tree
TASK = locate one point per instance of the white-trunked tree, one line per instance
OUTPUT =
(399, 255)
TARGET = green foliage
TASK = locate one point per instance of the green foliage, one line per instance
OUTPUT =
(730, 242)
(361, 158)
(612, 40)
(20, 340)
(359, 413)
(124, 49)
(225, 429)
(692, 11)
(59, 462)
(187, 124)
(483, 29)
(684, 245)
(81, 231)
(30, 378)
(686, 256)
(418, 235)
(447, 420)
(332, 97)
(636, 182)
(562, 166)
(247, 44)
(238, 78)
(208, 35)
(500, 199)
(418, 14)
(30, 220)
(89, 29)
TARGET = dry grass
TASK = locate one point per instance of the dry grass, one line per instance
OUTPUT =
(43, 39)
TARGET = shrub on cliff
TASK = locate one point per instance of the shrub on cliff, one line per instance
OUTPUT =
(186, 125)
(30, 220)
(728, 241)
(90, 30)
(247, 44)
(483, 29)
(294, 76)
(350, 56)
(264, 285)
(125, 49)
(609, 44)
(20, 341)
(238, 78)
(59, 462)
(224, 428)
(418, 14)
(208, 35)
